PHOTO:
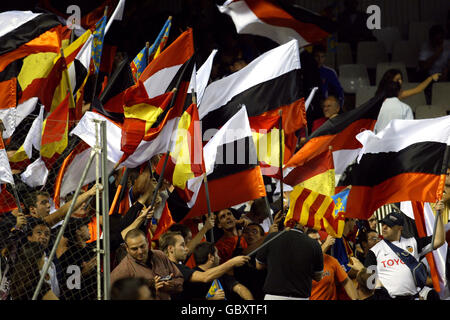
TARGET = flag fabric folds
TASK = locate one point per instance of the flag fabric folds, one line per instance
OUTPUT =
(159, 74)
(142, 59)
(231, 164)
(402, 162)
(267, 19)
(314, 210)
(97, 43)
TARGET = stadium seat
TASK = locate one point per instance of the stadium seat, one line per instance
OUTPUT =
(370, 53)
(353, 76)
(382, 67)
(440, 95)
(415, 100)
(364, 94)
(344, 53)
(387, 35)
(418, 31)
(406, 52)
(430, 111)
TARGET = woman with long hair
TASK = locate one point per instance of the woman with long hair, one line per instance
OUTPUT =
(25, 274)
(395, 75)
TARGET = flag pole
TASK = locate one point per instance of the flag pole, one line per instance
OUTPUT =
(205, 181)
(66, 76)
(147, 49)
(119, 192)
(96, 73)
(438, 212)
(280, 112)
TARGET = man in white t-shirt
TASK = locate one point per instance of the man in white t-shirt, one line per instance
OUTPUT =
(395, 280)
(392, 107)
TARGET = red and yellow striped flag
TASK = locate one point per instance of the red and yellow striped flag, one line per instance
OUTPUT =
(314, 210)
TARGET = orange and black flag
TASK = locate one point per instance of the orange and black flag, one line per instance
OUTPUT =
(403, 162)
(339, 132)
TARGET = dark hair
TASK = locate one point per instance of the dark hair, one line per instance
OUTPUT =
(25, 274)
(128, 288)
(201, 252)
(134, 233)
(34, 222)
(311, 231)
(73, 225)
(31, 199)
(387, 78)
(168, 239)
(260, 228)
(435, 30)
(181, 228)
(318, 48)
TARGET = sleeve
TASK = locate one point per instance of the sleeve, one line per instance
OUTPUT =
(228, 282)
(185, 271)
(119, 272)
(339, 272)
(371, 259)
(424, 245)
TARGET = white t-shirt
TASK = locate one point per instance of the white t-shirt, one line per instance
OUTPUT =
(392, 108)
(438, 66)
(392, 272)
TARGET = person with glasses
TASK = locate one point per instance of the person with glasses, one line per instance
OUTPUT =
(373, 222)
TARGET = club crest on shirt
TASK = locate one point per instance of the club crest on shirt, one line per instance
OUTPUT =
(410, 249)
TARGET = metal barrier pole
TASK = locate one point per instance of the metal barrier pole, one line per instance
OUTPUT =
(105, 207)
(63, 227)
(97, 209)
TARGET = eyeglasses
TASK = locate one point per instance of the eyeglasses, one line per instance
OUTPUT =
(374, 238)
(252, 231)
(373, 219)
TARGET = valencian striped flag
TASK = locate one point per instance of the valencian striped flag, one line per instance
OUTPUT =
(317, 211)
(97, 43)
(146, 55)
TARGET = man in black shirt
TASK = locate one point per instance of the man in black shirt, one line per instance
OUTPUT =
(292, 260)
(198, 280)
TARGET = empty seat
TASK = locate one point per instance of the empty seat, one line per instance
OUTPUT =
(430, 111)
(440, 95)
(387, 35)
(344, 53)
(330, 59)
(385, 66)
(353, 76)
(415, 100)
(370, 53)
(418, 31)
(364, 94)
(407, 52)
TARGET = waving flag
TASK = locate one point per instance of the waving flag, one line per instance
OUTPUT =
(315, 210)
(147, 54)
(97, 43)
(402, 162)
(267, 19)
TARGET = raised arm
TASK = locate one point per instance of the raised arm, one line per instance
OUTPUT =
(209, 224)
(420, 87)
(59, 214)
(216, 272)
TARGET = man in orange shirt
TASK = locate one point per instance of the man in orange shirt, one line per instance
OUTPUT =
(333, 273)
